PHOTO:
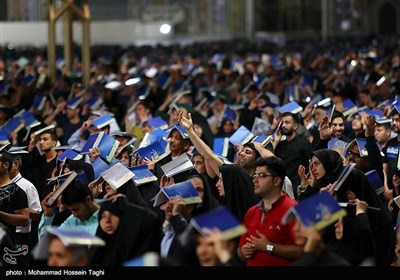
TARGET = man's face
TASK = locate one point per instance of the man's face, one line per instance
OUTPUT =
(288, 126)
(177, 144)
(319, 115)
(396, 123)
(45, 142)
(79, 210)
(382, 134)
(263, 181)
(199, 164)
(247, 156)
(59, 255)
(338, 127)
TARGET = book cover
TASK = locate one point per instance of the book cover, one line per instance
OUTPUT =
(142, 174)
(340, 147)
(157, 122)
(241, 136)
(107, 145)
(4, 144)
(260, 126)
(343, 175)
(71, 176)
(375, 180)
(27, 118)
(331, 113)
(89, 143)
(185, 189)
(70, 237)
(220, 146)
(349, 107)
(221, 219)
(361, 142)
(148, 259)
(38, 102)
(292, 91)
(40, 131)
(397, 200)
(319, 210)
(69, 153)
(178, 165)
(13, 125)
(99, 165)
(309, 81)
(94, 103)
(263, 139)
(102, 121)
(292, 107)
(116, 175)
(28, 79)
(155, 151)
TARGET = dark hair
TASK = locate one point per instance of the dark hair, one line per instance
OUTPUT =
(7, 157)
(76, 192)
(251, 146)
(295, 117)
(275, 165)
(337, 114)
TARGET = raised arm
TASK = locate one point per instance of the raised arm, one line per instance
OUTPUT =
(186, 122)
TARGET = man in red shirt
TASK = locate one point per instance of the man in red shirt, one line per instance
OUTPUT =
(268, 242)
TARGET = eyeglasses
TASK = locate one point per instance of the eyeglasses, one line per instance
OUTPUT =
(261, 175)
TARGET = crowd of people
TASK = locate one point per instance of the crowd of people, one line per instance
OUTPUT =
(323, 109)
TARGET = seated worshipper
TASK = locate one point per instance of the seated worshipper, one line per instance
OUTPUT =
(234, 185)
(128, 230)
(177, 217)
(87, 176)
(310, 237)
(353, 237)
(78, 199)
(325, 167)
(268, 242)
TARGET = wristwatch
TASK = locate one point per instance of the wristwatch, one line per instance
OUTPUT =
(269, 248)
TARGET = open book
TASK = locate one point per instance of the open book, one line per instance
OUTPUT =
(318, 210)
(343, 175)
(75, 237)
(221, 219)
(186, 190)
(106, 144)
(178, 165)
(221, 145)
(241, 136)
(155, 151)
(62, 187)
(116, 175)
(142, 174)
(263, 139)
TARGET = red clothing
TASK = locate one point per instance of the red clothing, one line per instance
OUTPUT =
(271, 226)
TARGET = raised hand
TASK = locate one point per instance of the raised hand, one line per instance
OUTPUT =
(325, 132)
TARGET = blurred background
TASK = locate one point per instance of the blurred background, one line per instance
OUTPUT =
(138, 22)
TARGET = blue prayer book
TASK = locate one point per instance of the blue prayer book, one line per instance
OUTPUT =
(220, 218)
(99, 165)
(27, 118)
(241, 136)
(319, 210)
(63, 180)
(220, 146)
(4, 137)
(38, 102)
(155, 151)
(361, 142)
(13, 125)
(292, 107)
(102, 121)
(349, 107)
(157, 122)
(28, 80)
(185, 189)
(106, 144)
(375, 180)
(142, 174)
(343, 175)
(69, 153)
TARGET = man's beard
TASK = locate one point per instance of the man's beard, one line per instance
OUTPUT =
(287, 132)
